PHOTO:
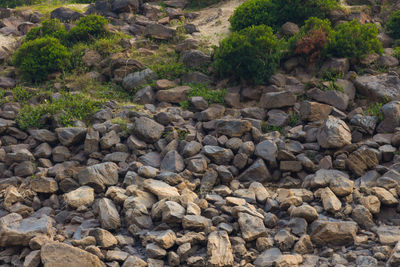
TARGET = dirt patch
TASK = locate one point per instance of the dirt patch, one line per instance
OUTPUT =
(213, 21)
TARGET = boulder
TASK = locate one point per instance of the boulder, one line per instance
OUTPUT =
(334, 133)
(277, 100)
(219, 249)
(147, 129)
(65, 14)
(233, 128)
(338, 233)
(382, 86)
(99, 176)
(159, 31)
(71, 136)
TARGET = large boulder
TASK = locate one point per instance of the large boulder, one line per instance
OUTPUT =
(173, 95)
(277, 100)
(65, 14)
(219, 249)
(71, 136)
(99, 176)
(334, 133)
(383, 86)
(61, 255)
(159, 31)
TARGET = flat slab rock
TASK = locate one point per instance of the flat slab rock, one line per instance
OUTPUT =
(379, 86)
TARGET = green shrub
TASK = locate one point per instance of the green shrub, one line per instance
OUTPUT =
(353, 40)
(15, 3)
(88, 28)
(67, 109)
(393, 25)
(275, 13)
(252, 53)
(38, 58)
(51, 28)
(396, 52)
(211, 96)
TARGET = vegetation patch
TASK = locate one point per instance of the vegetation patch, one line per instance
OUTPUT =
(393, 25)
(211, 96)
(375, 109)
(251, 54)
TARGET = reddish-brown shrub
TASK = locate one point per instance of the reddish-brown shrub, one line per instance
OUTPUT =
(312, 45)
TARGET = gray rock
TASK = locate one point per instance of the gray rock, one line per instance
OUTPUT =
(334, 233)
(233, 128)
(219, 249)
(172, 162)
(120, 6)
(43, 135)
(145, 96)
(136, 79)
(71, 136)
(147, 129)
(83, 196)
(218, 155)
(159, 31)
(365, 124)
(268, 258)
(65, 14)
(391, 117)
(108, 213)
(252, 227)
(277, 100)
(257, 172)
(99, 176)
(378, 87)
(334, 133)
(173, 95)
(195, 58)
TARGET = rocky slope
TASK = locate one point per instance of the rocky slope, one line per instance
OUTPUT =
(287, 174)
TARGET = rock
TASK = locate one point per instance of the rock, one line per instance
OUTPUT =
(289, 29)
(363, 217)
(83, 196)
(215, 111)
(268, 151)
(194, 58)
(120, 6)
(394, 259)
(334, 133)
(99, 176)
(304, 245)
(174, 95)
(172, 212)
(314, 111)
(335, 233)
(277, 100)
(365, 124)
(384, 196)
(91, 141)
(284, 240)
(15, 231)
(43, 135)
(103, 238)
(160, 189)
(257, 172)
(136, 79)
(252, 227)
(391, 120)
(305, 211)
(65, 14)
(133, 261)
(172, 162)
(334, 98)
(233, 128)
(268, 258)
(60, 254)
(109, 139)
(383, 86)
(147, 129)
(329, 200)
(218, 155)
(341, 186)
(145, 96)
(362, 160)
(388, 235)
(32, 259)
(44, 185)
(7, 83)
(109, 216)
(336, 65)
(195, 222)
(159, 31)
(219, 249)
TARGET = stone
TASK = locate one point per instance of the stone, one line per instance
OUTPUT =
(159, 31)
(268, 151)
(83, 196)
(304, 245)
(166, 239)
(43, 135)
(363, 217)
(195, 222)
(382, 86)
(314, 111)
(91, 141)
(305, 211)
(71, 136)
(109, 140)
(257, 172)
(60, 254)
(32, 259)
(391, 120)
(388, 235)
(333, 98)
(133, 80)
(99, 176)
(194, 58)
(335, 233)
(252, 227)
(65, 14)
(218, 155)
(394, 259)
(329, 200)
(44, 185)
(120, 6)
(289, 29)
(15, 231)
(268, 257)
(365, 124)
(147, 129)
(108, 213)
(133, 261)
(284, 240)
(277, 100)
(334, 133)
(144, 96)
(172, 212)
(160, 189)
(336, 65)
(233, 128)
(172, 162)
(372, 203)
(219, 249)
(341, 186)
(173, 95)
(103, 238)
(361, 160)
(198, 103)
(7, 83)
(384, 196)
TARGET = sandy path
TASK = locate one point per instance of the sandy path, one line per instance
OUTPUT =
(213, 21)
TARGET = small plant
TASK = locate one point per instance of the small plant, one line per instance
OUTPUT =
(211, 96)
(251, 54)
(266, 128)
(38, 58)
(275, 13)
(331, 86)
(353, 40)
(393, 25)
(375, 109)
(396, 52)
(88, 28)
(50, 28)
(332, 76)
(66, 110)
(294, 119)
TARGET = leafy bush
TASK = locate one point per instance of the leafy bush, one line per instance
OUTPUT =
(393, 25)
(67, 109)
(252, 53)
(312, 45)
(353, 40)
(211, 96)
(38, 58)
(51, 28)
(275, 13)
(88, 28)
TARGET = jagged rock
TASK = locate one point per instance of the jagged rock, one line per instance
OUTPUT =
(99, 176)
(305, 211)
(147, 129)
(44, 185)
(172, 162)
(160, 189)
(109, 216)
(65, 14)
(60, 254)
(381, 86)
(336, 65)
(334, 133)
(252, 227)
(329, 200)
(233, 128)
(174, 95)
(219, 249)
(219, 155)
(145, 96)
(365, 124)
(83, 196)
(394, 259)
(257, 172)
(388, 235)
(277, 100)
(335, 233)
(362, 160)
(268, 257)
(195, 222)
(15, 231)
(7, 83)
(103, 238)
(314, 111)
